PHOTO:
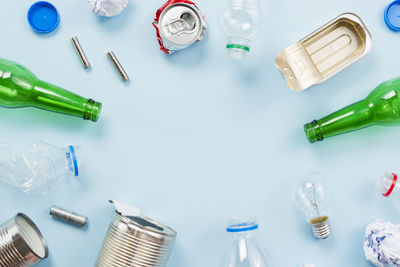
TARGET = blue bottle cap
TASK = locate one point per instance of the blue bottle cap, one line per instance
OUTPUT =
(392, 16)
(43, 17)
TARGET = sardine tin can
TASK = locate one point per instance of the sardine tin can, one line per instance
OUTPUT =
(325, 52)
(179, 24)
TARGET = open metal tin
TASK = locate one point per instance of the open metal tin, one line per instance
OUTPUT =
(325, 52)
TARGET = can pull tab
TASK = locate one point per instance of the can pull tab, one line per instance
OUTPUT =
(125, 209)
(185, 23)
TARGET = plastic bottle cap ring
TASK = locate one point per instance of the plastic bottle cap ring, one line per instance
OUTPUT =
(43, 17)
(392, 16)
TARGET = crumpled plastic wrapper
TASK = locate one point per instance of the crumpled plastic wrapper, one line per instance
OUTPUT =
(382, 243)
(108, 8)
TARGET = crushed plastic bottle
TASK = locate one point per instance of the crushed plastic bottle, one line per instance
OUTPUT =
(245, 251)
(240, 21)
(36, 168)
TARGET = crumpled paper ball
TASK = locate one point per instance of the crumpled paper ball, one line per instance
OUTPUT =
(382, 243)
(108, 8)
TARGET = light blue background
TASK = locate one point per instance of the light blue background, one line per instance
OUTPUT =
(192, 140)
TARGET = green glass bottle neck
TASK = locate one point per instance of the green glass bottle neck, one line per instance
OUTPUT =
(53, 98)
(350, 118)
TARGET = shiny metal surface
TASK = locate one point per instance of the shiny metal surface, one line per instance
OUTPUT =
(21, 243)
(180, 25)
(325, 52)
(118, 66)
(136, 241)
(68, 216)
(322, 230)
(79, 51)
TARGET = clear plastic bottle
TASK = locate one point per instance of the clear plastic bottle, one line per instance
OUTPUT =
(389, 186)
(245, 250)
(36, 168)
(240, 21)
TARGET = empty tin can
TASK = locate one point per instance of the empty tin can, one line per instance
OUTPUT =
(179, 24)
(21, 243)
(133, 240)
(325, 52)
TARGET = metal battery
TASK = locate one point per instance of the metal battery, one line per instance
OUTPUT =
(21, 243)
(68, 216)
(133, 240)
(179, 24)
(79, 51)
(117, 65)
(325, 52)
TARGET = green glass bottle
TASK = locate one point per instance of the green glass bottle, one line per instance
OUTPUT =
(381, 107)
(20, 88)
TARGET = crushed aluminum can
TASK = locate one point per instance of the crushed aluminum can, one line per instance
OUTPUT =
(325, 52)
(179, 24)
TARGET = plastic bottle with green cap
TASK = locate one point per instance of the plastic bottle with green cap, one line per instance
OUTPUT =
(240, 21)
(380, 107)
(21, 88)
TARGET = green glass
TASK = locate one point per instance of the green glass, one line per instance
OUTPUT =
(381, 107)
(20, 88)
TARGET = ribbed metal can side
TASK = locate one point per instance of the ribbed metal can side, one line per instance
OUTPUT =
(9, 254)
(127, 245)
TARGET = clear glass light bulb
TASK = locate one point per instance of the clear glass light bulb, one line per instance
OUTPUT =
(240, 21)
(312, 198)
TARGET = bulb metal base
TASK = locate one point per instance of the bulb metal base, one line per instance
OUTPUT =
(321, 230)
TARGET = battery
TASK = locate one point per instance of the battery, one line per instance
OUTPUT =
(179, 24)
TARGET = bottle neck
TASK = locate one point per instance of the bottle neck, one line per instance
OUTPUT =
(350, 118)
(53, 98)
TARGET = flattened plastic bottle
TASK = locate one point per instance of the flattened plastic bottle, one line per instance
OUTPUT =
(37, 167)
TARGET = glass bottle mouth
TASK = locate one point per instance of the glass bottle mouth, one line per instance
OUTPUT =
(92, 110)
(313, 132)
(237, 225)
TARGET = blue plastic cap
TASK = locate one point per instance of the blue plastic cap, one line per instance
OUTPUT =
(43, 17)
(392, 16)
(242, 227)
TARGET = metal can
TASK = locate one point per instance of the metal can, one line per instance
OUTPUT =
(179, 24)
(21, 243)
(325, 52)
(133, 240)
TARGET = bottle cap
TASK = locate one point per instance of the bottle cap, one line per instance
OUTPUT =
(43, 17)
(392, 16)
(242, 225)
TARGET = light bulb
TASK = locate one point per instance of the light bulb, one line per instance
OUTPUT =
(240, 21)
(312, 198)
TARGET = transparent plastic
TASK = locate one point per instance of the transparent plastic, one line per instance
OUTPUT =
(36, 168)
(245, 249)
(313, 198)
(389, 186)
(240, 21)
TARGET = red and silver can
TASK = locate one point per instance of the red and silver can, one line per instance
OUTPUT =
(179, 24)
